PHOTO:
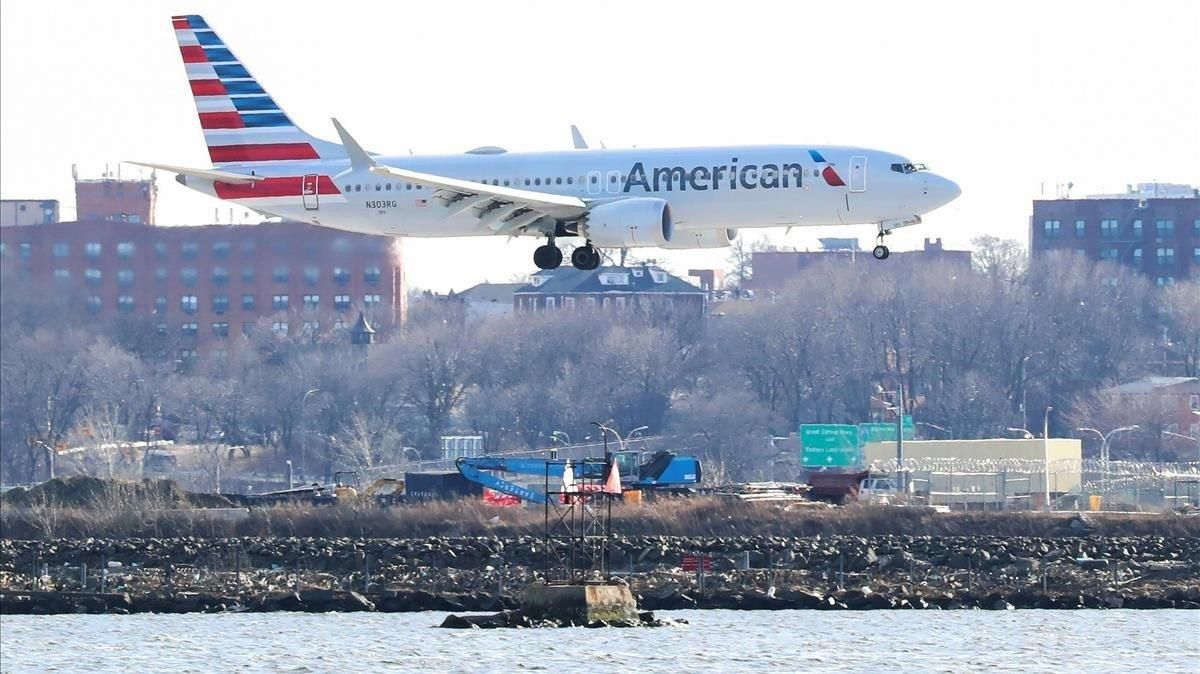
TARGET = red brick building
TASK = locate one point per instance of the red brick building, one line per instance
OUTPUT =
(1154, 229)
(775, 269)
(205, 284)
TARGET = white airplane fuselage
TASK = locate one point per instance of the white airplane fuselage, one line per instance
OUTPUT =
(707, 188)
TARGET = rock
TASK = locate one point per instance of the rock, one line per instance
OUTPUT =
(1000, 605)
(458, 623)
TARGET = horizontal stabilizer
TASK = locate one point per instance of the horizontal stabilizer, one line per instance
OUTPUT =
(206, 174)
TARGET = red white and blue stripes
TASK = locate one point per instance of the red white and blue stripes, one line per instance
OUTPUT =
(241, 122)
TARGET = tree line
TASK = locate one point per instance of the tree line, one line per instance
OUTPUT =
(978, 351)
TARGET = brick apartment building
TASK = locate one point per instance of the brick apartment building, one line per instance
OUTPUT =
(1154, 229)
(775, 269)
(204, 284)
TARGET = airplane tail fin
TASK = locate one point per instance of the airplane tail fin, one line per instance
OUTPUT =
(242, 124)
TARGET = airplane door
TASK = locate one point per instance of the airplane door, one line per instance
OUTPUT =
(308, 192)
(858, 174)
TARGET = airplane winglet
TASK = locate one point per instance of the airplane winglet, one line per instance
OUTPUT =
(577, 138)
(359, 159)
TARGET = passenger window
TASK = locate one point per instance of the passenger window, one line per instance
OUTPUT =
(506, 182)
(408, 186)
(378, 187)
(388, 187)
(538, 181)
(358, 188)
(527, 181)
(348, 188)
(558, 181)
(570, 180)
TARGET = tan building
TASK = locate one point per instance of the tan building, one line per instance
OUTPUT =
(27, 212)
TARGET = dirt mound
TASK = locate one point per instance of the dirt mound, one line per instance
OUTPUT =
(93, 492)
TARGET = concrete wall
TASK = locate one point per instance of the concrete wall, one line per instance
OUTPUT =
(1065, 455)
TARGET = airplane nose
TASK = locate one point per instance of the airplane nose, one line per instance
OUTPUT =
(941, 191)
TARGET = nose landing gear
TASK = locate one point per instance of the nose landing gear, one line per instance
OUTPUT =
(881, 251)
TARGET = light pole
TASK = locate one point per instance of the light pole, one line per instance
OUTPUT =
(559, 435)
(1104, 444)
(1183, 437)
(1046, 454)
(303, 435)
(630, 434)
(1024, 432)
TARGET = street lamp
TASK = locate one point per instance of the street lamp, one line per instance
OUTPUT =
(303, 436)
(1046, 454)
(1024, 432)
(558, 435)
(1184, 437)
(1104, 444)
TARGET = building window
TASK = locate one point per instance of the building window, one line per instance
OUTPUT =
(189, 250)
(1194, 402)
(220, 276)
(3, 249)
(125, 304)
(248, 328)
(1196, 228)
(125, 250)
(1080, 229)
(371, 275)
(341, 245)
(220, 329)
(370, 301)
(25, 251)
(220, 249)
(1196, 255)
(160, 274)
(188, 303)
(341, 302)
(1137, 229)
(311, 301)
(220, 304)
(280, 274)
(1164, 229)
(248, 302)
(187, 276)
(1162, 281)
(279, 302)
(62, 250)
(312, 327)
(247, 248)
(550, 303)
(125, 278)
(185, 356)
(1108, 229)
(279, 327)
(160, 304)
(247, 274)
(93, 304)
(340, 324)
(1137, 257)
(568, 302)
(92, 277)
(1052, 228)
(92, 250)
(312, 274)
(161, 329)
(1108, 253)
(189, 329)
(1166, 257)
(160, 250)
(341, 275)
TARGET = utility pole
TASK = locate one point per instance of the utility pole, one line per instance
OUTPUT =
(49, 444)
(1046, 453)
(900, 437)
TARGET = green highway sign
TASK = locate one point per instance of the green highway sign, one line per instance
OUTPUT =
(885, 432)
(830, 445)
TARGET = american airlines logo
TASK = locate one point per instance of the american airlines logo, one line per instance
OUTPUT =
(730, 176)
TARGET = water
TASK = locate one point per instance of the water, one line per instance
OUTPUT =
(725, 641)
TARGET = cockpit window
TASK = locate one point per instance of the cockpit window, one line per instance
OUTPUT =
(908, 168)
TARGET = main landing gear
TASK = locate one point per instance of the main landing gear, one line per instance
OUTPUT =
(585, 257)
(548, 256)
(881, 251)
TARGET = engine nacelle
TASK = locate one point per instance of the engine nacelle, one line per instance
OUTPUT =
(687, 239)
(630, 223)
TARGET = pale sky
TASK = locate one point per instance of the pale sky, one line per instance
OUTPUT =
(1006, 98)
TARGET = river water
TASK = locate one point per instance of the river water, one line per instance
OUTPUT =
(715, 641)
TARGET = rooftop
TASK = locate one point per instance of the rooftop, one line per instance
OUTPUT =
(607, 279)
(1149, 384)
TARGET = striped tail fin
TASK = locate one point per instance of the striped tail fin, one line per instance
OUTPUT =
(242, 124)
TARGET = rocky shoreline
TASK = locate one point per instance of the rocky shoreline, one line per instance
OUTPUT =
(485, 574)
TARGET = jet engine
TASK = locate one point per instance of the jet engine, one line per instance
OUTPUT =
(630, 223)
(688, 239)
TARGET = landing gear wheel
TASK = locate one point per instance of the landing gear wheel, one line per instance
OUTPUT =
(547, 256)
(881, 252)
(585, 258)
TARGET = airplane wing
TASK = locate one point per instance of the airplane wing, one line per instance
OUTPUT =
(503, 210)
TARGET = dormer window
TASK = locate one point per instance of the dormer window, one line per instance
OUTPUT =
(637, 272)
(658, 275)
(538, 279)
(614, 278)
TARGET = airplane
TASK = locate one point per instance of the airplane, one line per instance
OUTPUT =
(671, 198)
